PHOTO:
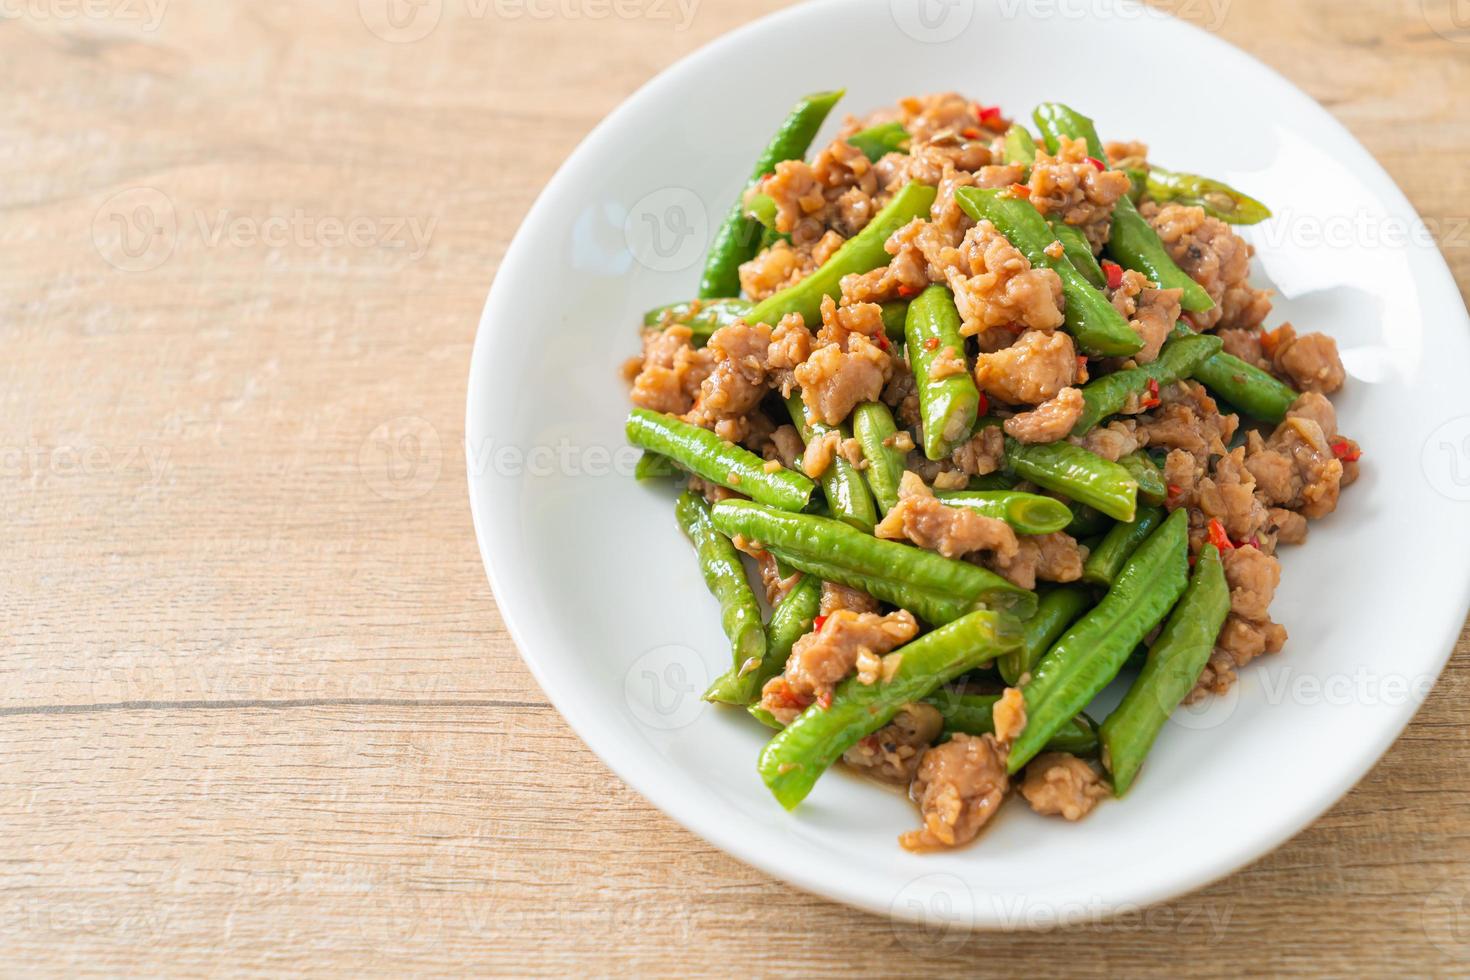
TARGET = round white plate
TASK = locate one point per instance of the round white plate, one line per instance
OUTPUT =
(601, 591)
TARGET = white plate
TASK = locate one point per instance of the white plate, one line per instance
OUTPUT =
(601, 592)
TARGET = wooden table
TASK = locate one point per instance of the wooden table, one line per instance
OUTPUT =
(259, 712)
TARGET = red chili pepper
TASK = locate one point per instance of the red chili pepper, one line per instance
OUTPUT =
(882, 342)
(1114, 272)
(988, 113)
(1153, 400)
(1346, 452)
(932, 343)
(907, 292)
(817, 623)
(1269, 341)
(1175, 490)
(1218, 537)
(824, 700)
(1019, 190)
(970, 133)
(984, 407)
(1097, 163)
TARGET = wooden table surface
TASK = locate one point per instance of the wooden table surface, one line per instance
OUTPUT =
(259, 712)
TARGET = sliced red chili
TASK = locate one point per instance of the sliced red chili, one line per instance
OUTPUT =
(984, 407)
(817, 623)
(907, 292)
(1114, 272)
(1097, 163)
(1270, 339)
(824, 700)
(1153, 400)
(970, 133)
(1218, 537)
(1019, 190)
(1346, 451)
(931, 343)
(988, 113)
(882, 342)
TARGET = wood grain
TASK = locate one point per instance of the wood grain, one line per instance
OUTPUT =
(259, 712)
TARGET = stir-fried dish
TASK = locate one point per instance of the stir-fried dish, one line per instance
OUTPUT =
(994, 413)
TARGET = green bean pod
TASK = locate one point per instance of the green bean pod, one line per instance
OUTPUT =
(971, 714)
(1173, 667)
(948, 405)
(652, 466)
(1078, 251)
(1020, 146)
(1218, 199)
(861, 253)
(876, 142)
(1026, 513)
(1133, 243)
(761, 208)
(797, 756)
(1109, 394)
(702, 316)
(847, 493)
(1094, 649)
(874, 428)
(1247, 388)
(724, 576)
(1151, 486)
(1056, 609)
(1075, 473)
(1092, 320)
(895, 315)
(932, 587)
(1106, 561)
(1087, 521)
(706, 455)
(737, 238)
(790, 621)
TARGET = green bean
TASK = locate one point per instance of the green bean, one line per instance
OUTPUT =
(876, 142)
(1078, 251)
(847, 494)
(1091, 319)
(1133, 243)
(702, 316)
(948, 404)
(1109, 394)
(1093, 650)
(895, 315)
(1057, 609)
(724, 575)
(1074, 473)
(1151, 486)
(1026, 513)
(797, 756)
(1000, 480)
(790, 621)
(1086, 521)
(861, 253)
(737, 238)
(762, 208)
(971, 714)
(1170, 673)
(1106, 561)
(934, 588)
(1247, 388)
(1020, 146)
(874, 428)
(1219, 200)
(706, 455)
(652, 466)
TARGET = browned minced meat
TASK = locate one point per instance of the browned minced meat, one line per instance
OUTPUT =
(849, 367)
(982, 453)
(737, 383)
(892, 753)
(668, 377)
(1248, 631)
(1216, 258)
(1059, 784)
(775, 583)
(1228, 495)
(959, 786)
(786, 447)
(1295, 467)
(1050, 421)
(1309, 361)
(902, 395)
(1009, 715)
(1068, 185)
(825, 656)
(1055, 557)
(994, 284)
(1127, 154)
(947, 363)
(835, 597)
(783, 265)
(837, 191)
(1151, 312)
(1030, 371)
(1112, 441)
(791, 344)
(1187, 419)
(920, 517)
